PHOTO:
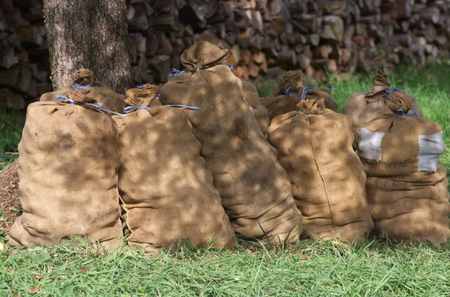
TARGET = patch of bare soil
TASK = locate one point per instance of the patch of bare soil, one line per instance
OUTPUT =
(9, 196)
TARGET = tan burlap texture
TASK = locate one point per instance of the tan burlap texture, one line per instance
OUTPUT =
(146, 95)
(407, 189)
(314, 145)
(166, 189)
(395, 145)
(68, 162)
(413, 207)
(255, 189)
(204, 54)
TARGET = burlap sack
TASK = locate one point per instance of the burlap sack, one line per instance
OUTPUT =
(250, 94)
(292, 83)
(204, 54)
(68, 164)
(288, 99)
(167, 192)
(255, 190)
(362, 109)
(209, 51)
(413, 207)
(382, 101)
(315, 147)
(145, 95)
(400, 145)
(392, 139)
(279, 105)
(84, 89)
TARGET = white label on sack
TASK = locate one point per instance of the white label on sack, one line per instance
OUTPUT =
(370, 144)
(430, 148)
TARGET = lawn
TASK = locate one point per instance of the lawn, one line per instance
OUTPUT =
(11, 123)
(311, 269)
(373, 268)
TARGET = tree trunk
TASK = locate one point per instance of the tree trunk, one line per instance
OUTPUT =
(90, 34)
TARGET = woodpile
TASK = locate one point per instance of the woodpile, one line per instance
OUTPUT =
(24, 55)
(317, 36)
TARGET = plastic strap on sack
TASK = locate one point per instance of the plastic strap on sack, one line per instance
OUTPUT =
(100, 108)
(133, 108)
(306, 90)
(301, 94)
(93, 106)
(390, 91)
(65, 99)
(79, 87)
(183, 106)
(175, 72)
(430, 148)
(127, 110)
(370, 144)
(287, 92)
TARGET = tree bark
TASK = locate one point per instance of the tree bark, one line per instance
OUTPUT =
(88, 34)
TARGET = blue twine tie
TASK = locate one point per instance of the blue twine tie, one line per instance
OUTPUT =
(65, 99)
(306, 90)
(390, 91)
(175, 72)
(78, 87)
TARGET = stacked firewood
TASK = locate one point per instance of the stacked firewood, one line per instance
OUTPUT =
(317, 36)
(24, 72)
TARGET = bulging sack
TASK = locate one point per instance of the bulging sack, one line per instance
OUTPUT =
(314, 145)
(255, 190)
(400, 145)
(406, 188)
(68, 164)
(413, 207)
(166, 189)
(393, 140)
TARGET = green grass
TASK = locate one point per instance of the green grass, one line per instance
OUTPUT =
(374, 268)
(11, 123)
(311, 269)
